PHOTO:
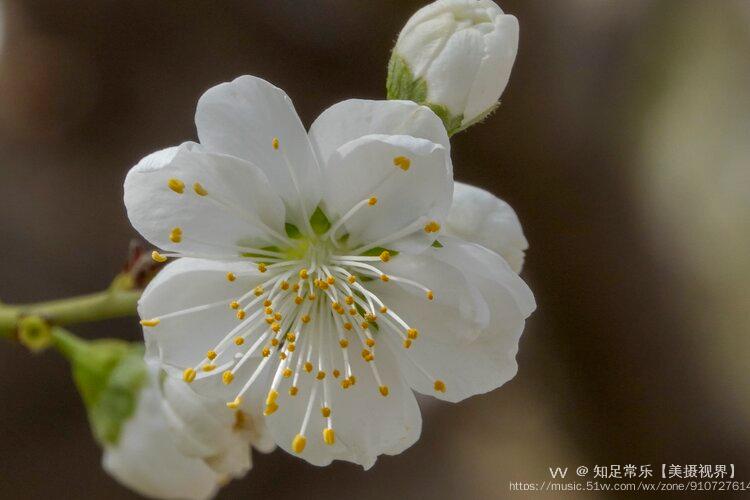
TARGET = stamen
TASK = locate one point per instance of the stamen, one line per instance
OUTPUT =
(199, 189)
(157, 257)
(402, 162)
(176, 185)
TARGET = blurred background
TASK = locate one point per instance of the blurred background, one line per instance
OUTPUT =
(623, 142)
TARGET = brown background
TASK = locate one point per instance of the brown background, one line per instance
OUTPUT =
(622, 142)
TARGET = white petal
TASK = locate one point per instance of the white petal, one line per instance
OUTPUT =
(480, 217)
(365, 167)
(501, 46)
(237, 210)
(354, 118)
(146, 460)
(366, 424)
(483, 364)
(242, 118)
(185, 285)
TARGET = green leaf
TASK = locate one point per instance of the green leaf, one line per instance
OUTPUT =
(437, 244)
(109, 375)
(452, 123)
(319, 222)
(375, 251)
(292, 231)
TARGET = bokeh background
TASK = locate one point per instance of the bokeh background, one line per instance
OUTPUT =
(623, 142)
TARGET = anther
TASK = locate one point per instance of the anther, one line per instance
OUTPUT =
(176, 185)
(188, 375)
(330, 280)
(370, 343)
(233, 405)
(321, 375)
(432, 227)
(211, 355)
(336, 373)
(266, 352)
(385, 256)
(293, 390)
(384, 278)
(287, 372)
(150, 322)
(176, 235)
(234, 304)
(329, 437)
(299, 442)
(274, 342)
(306, 318)
(208, 368)
(258, 291)
(284, 285)
(157, 257)
(275, 143)
(291, 347)
(402, 162)
(351, 279)
(325, 411)
(407, 344)
(231, 277)
(412, 333)
(430, 295)
(303, 273)
(384, 309)
(349, 300)
(199, 189)
(270, 409)
(291, 337)
(239, 341)
(227, 377)
(267, 303)
(372, 201)
(348, 326)
(343, 343)
(240, 314)
(308, 367)
(262, 267)
(383, 390)
(439, 386)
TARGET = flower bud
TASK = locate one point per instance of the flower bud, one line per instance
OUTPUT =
(454, 56)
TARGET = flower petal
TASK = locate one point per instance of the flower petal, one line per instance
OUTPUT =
(200, 289)
(487, 362)
(411, 179)
(366, 424)
(354, 118)
(146, 460)
(251, 119)
(234, 210)
(480, 217)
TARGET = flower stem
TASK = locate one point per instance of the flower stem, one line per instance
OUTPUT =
(107, 304)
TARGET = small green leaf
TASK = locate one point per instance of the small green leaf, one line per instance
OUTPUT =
(292, 231)
(375, 251)
(437, 244)
(452, 123)
(319, 221)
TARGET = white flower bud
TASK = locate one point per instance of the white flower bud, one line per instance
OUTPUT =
(455, 56)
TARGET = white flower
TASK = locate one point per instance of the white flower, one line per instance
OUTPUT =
(205, 428)
(146, 459)
(455, 56)
(483, 218)
(313, 282)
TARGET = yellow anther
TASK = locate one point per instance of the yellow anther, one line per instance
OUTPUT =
(365, 325)
(298, 299)
(262, 267)
(211, 355)
(344, 343)
(384, 278)
(439, 386)
(239, 341)
(429, 295)
(176, 185)
(431, 227)
(303, 273)
(383, 390)
(233, 405)
(305, 318)
(370, 317)
(412, 333)
(269, 311)
(270, 409)
(311, 297)
(365, 353)
(330, 280)
(277, 316)
(369, 358)
(402, 162)
(348, 326)
(336, 373)
(325, 411)
(370, 343)
(234, 304)
(188, 375)
(275, 143)
(284, 285)
(274, 342)
(157, 257)
(321, 375)
(340, 310)
(372, 201)
(266, 352)
(329, 437)
(352, 311)
(272, 396)
(258, 291)
(199, 189)
(275, 327)
(298, 443)
(282, 355)
(295, 288)
(385, 255)
(208, 368)
(227, 377)
(407, 344)
(150, 322)
(308, 367)
(240, 314)
(352, 379)
(291, 337)
(231, 276)
(267, 303)
(345, 383)
(291, 347)
(384, 309)
(335, 306)
(287, 372)
(351, 279)
(293, 390)
(176, 235)
(269, 320)
(349, 300)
